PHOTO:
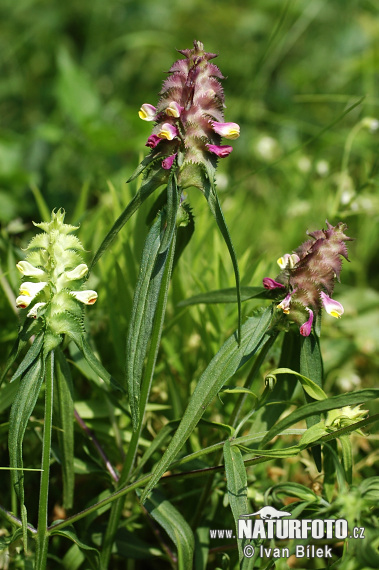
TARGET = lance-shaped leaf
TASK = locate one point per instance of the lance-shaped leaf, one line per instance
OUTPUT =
(29, 328)
(29, 357)
(311, 366)
(65, 415)
(21, 411)
(177, 528)
(145, 301)
(225, 363)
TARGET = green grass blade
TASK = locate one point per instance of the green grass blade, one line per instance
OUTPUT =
(177, 528)
(230, 357)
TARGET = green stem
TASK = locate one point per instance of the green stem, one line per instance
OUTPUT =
(127, 469)
(42, 537)
(234, 418)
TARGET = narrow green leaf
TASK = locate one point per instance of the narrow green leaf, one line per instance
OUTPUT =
(236, 480)
(230, 357)
(229, 295)
(309, 386)
(151, 183)
(25, 332)
(30, 357)
(311, 366)
(215, 207)
(21, 411)
(65, 416)
(177, 528)
(144, 306)
(316, 408)
(91, 553)
(142, 165)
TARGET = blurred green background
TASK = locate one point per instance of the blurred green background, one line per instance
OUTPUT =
(302, 82)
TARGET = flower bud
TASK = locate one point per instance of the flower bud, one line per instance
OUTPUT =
(269, 283)
(168, 162)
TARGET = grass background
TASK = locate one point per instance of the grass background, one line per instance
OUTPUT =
(73, 76)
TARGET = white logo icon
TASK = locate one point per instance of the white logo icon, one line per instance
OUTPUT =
(269, 513)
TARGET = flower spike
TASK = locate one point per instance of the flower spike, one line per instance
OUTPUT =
(56, 286)
(309, 274)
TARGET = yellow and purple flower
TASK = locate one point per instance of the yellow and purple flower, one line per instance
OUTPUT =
(147, 112)
(308, 276)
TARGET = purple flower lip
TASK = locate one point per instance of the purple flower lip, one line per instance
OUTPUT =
(305, 329)
(285, 304)
(269, 283)
(152, 141)
(168, 161)
(220, 150)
